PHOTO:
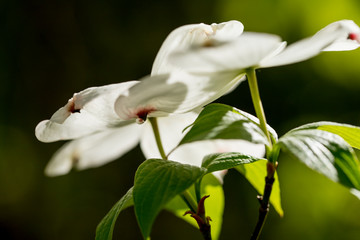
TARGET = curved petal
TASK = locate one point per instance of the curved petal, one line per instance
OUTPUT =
(244, 52)
(333, 37)
(227, 31)
(194, 34)
(344, 41)
(346, 45)
(180, 38)
(154, 96)
(86, 112)
(94, 150)
(179, 92)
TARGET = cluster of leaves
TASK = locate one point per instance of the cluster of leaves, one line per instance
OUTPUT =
(324, 147)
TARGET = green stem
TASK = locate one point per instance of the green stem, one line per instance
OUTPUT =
(186, 196)
(155, 128)
(188, 199)
(271, 165)
(255, 95)
(198, 189)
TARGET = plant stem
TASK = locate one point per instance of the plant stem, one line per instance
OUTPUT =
(186, 196)
(271, 167)
(155, 128)
(264, 201)
(255, 95)
(206, 234)
(188, 199)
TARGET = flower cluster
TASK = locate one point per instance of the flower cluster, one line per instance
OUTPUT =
(195, 65)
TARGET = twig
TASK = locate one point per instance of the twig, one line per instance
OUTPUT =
(264, 201)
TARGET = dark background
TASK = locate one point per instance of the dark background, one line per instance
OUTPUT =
(51, 49)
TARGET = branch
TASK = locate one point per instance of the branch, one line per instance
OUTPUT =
(264, 201)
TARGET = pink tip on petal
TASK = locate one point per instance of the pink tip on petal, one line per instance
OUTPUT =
(71, 106)
(354, 36)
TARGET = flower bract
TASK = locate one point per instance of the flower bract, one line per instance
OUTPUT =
(262, 50)
(99, 136)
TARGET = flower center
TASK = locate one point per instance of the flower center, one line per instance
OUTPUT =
(143, 113)
(208, 43)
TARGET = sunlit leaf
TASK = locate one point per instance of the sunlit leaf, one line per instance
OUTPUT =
(157, 181)
(255, 173)
(326, 153)
(104, 230)
(219, 121)
(214, 205)
(350, 133)
(222, 161)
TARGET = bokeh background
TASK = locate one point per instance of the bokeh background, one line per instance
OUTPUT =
(51, 49)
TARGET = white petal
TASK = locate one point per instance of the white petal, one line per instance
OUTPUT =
(239, 79)
(227, 31)
(343, 43)
(155, 95)
(178, 92)
(333, 37)
(244, 52)
(195, 34)
(180, 38)
(205, 88)
(171, 132)
(88, 111)
(346, 45)
(94, 150)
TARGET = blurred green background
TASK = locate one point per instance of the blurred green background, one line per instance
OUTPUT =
(51, 49)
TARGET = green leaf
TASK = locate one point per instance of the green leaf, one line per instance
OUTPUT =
(350, 133)
(104, 230)
(255, 173)
(158, 181)
(326, 153)
(214, 205)
(221, 161)
(219, 121)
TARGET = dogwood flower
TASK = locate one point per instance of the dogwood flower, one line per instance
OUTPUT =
(193, 35)
(211, 60)
(170, 90)
(261, 50)
(100, 136)
(167, 94)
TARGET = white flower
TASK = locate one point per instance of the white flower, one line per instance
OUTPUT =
(170, 90)
(100, 136)
(87, 112)
(89, 118)
(260, 50)
(166, 94)
(199, 63)
(192, 35)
